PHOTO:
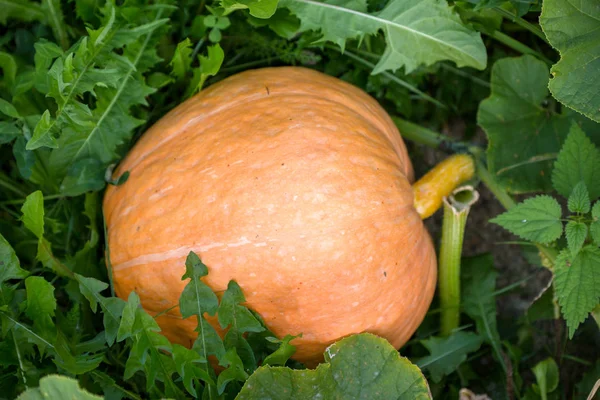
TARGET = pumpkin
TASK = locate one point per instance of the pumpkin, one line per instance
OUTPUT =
(296, 185)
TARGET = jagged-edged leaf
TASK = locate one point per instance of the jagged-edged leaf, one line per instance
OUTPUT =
(577, 284)
(417, 33)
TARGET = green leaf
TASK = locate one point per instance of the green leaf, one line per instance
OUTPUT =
(416, 33)
(577, 284)
(595, 225)
(85, 175)
(234, 372)
(8, 132)
(579, 200)
(55, 18)
(523, 135)
(57, 387)
(536, 219)
(8, 109)
(283, 352)
(478, 283)
(448, 353)
(575, 164)
(23, 10)
(10, 267)
(258, 8)
(197, 298)
(33, 213)
(41, 306)
(547, 376)
(188, 367)
(572, 28)
(576, 233)
(209, 66)
(232, 313)
(182, 58)
(361, 366)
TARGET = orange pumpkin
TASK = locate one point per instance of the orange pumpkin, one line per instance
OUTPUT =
(296, 185)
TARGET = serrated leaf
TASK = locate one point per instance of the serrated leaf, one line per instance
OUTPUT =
(33, 213)
(537, 219)
(576, 233)
(361, 366)
(576, 163)
(57, 387)
(579, 200)
(10, 267)
(577, 284)
(257, 8)
(128, 317)
(595, 225)
(447, 353)
(572, 28)
(416, 33)
(523, 135)
(182, 58)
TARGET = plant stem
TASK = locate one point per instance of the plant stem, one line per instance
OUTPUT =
(453, 230)
(493, 186)
(518, 46)
(522, 23)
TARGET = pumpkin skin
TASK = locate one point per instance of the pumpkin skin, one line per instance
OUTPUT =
(293, 183)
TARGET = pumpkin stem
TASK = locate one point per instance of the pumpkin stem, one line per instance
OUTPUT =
(438, 183)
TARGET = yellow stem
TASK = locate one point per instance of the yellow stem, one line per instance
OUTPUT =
(438, 183)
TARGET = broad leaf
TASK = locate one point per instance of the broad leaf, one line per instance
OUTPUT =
(572, 28)
(577, 284)
(362, 366)
(537, 219)
(547, 376)
(524, 136)
(416, 33)
(57, 387)
(447, 353)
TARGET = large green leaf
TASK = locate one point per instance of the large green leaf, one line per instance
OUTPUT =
(57, 387)
(417, 32)
(524, 134)
(572, 28)
(362, 366)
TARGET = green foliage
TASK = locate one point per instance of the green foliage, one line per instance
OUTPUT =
(57, 387)
(537, 219)
(576, 283)
(572, 28)
(575, 163)
(361, 367)
(524, 133)
(448, 353)
(416, 33)
(81, 80)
